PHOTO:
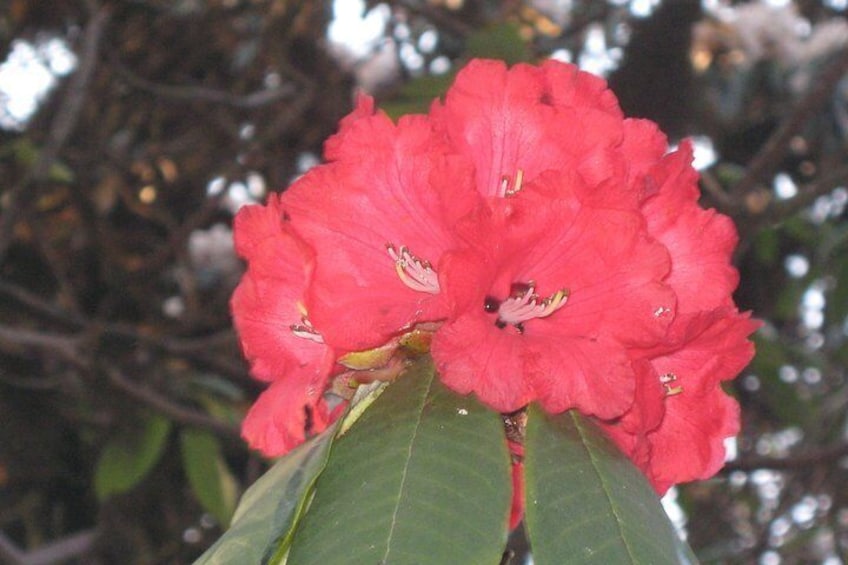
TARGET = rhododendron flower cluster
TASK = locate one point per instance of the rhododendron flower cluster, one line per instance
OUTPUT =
(554, 250)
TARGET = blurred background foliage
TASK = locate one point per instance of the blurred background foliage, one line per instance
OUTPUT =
(132, 130)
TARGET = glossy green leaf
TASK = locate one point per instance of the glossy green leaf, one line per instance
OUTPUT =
(271, 507)
(423, 477)
(128, 457)
(587, 503)
(210, 478)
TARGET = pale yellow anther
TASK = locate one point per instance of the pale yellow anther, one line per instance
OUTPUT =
(506, 181)
(415, 273)
(666, 381)
(525, 305)
(673, 391)
(301, 308)
(556, 301)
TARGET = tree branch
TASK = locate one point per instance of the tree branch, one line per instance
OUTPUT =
(190, 93)
(814, 457)
(61, 128)
(163, 405)
(58, 551)
(781, 210)
(771, 153)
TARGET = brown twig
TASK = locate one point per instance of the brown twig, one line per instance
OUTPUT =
(781, 210)
(61, 128)
(814, 457)
(58, 551)
(199, 349)
(438, 16)
(163, 405)
(9, 552)
(720, 197)
(770, 154)
(189, 93)
(39, 306)
(65, 346)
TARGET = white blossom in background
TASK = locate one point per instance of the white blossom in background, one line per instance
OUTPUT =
(771, 30)
(28, 74)
(597, 57)
(357, 39)
(212, 255)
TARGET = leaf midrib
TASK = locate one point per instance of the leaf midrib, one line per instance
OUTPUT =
(604, 485)
(416, 428)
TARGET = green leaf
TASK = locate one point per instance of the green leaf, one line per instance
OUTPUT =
(26, 152)
(837, 305)
(128, 457)
(586, 502)
(270, 508)
(210, 478)
(767, 246)
(780, 398)
(500, 41)
(423, 477)
(416, 95)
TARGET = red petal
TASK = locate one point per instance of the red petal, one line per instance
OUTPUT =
(276, 423)
(689, 444)
(590, 374)
(703, 350)
(529, 118)
(350, 211)
(264, 305)
(700, 242)
(472, 355)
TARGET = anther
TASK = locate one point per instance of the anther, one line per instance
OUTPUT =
(506, 181)
(305, 330)
(666, 381)
(415, 273)
(524, 304)
(661, 311)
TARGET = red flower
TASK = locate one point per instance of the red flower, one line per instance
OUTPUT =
(276, 335)
(560, 253)
(676, 430)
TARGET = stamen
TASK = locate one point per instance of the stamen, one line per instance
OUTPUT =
(506, 180)
(305, 330)
(301, 308)
(666, 381)
(525, 305)
(661, 311)
(415, 273)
